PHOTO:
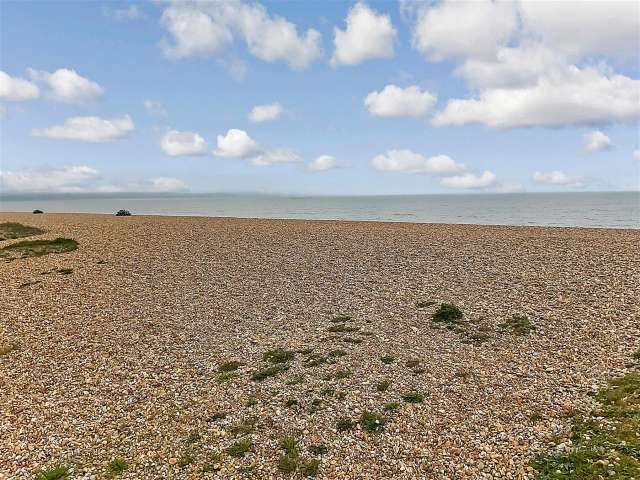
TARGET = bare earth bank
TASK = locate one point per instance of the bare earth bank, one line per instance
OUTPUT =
(120, 358)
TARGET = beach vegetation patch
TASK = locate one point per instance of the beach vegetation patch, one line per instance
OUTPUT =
(316, 405)
(264, 373)
(337, 353)
(518, 325)
(229, 366)
(320, 449)
(6, 349)
(309, 468)
(341, 318)
(279, 355)
(116, 467)
(383, 385)
(344, 373)
(288, 462)
(314, 360)
(344, 424)
(296, 380)
(292, 402)
(412, 363)
(391, 406)
(413, 397)
(123, 213)
(37, 248)
(240, 448)
(342, 327)
(387, 359)
(447, 313)
(57, 473)
(353, 340)
(243, 428)
(226, 376)
(604, 443)
(217, 416)
(13, 230)
(371, 422)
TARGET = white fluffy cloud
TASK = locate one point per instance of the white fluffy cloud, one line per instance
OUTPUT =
(464, 29)
(469, 180)
(584, 28)
(67, 86)
(166, 184)
(578, 96)
(78, 179)
(406, 161)
(279, 155)
(206, 28)
(175, 143)
(368, 35)
(394, 101)
(59, 179)
(88, 129)
(265, 113)
(323, 163)
(16, 89)
(596, 141)
(236, 144)
(556, 177)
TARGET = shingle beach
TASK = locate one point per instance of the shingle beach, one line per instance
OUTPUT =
(129, 355)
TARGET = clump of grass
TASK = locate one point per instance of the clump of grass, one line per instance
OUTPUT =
(344, 424)
(309, 468)
(186, 459)
(116, 466)
(391, 406)
(342, 327)
(341, 318)
(243, 428)
(251, 401)
(447, 313)
(230, 366)
(636, 355)
(604, 444)
(387, 359)
(213, 463)
(328, 392)
(291, 403)
(424, 303)
(314, 360)
(226, 376)
(383, 385)
(279, 355)
(288, 462)
(535, 417)
(57, 473)
(412, 363)
(264, 373)
(305, 351)
(354, 340)
(13, 230)
(239, 448)
(217, 416)
(413, 397)
(371, 422)
(194, 437)
(296, 380)
(344, 373)
(37, 248)
(290, 445)
(316, 405)
(338, 352)
(518, 325)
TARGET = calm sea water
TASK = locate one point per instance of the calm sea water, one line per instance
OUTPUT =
(602, 209)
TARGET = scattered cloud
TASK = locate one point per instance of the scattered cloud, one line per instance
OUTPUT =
(155, 108)
(88, 129)
(16, 89)
(67, 86)
(236, 144)
(280, 155)
(578, 96)
(175, 143)
(368, 35)
(596, 141)
(556, 177)
(323, 163)
(124, 14)
(469, 180)
(78, 179)
(166, 184)
(406, 161)
(463, 29)
(265, 113)
(394, 101)
(207, 28)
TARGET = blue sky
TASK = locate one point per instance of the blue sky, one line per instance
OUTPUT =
(534, 105)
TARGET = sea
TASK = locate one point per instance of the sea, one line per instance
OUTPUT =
(575, 209)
